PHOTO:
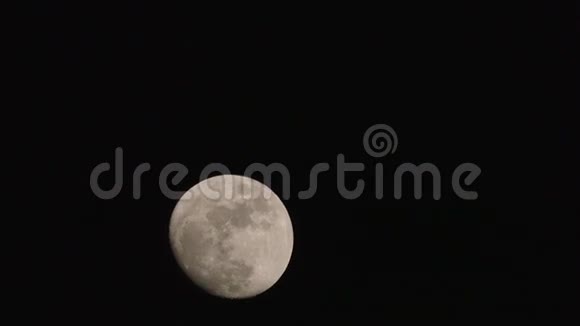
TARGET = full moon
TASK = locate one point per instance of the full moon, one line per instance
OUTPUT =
(232, 236)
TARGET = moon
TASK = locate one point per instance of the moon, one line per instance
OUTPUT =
(232, 236)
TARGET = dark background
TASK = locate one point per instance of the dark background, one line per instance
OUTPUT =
(481, 83)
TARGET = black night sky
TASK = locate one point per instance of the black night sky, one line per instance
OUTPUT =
(480, 83)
